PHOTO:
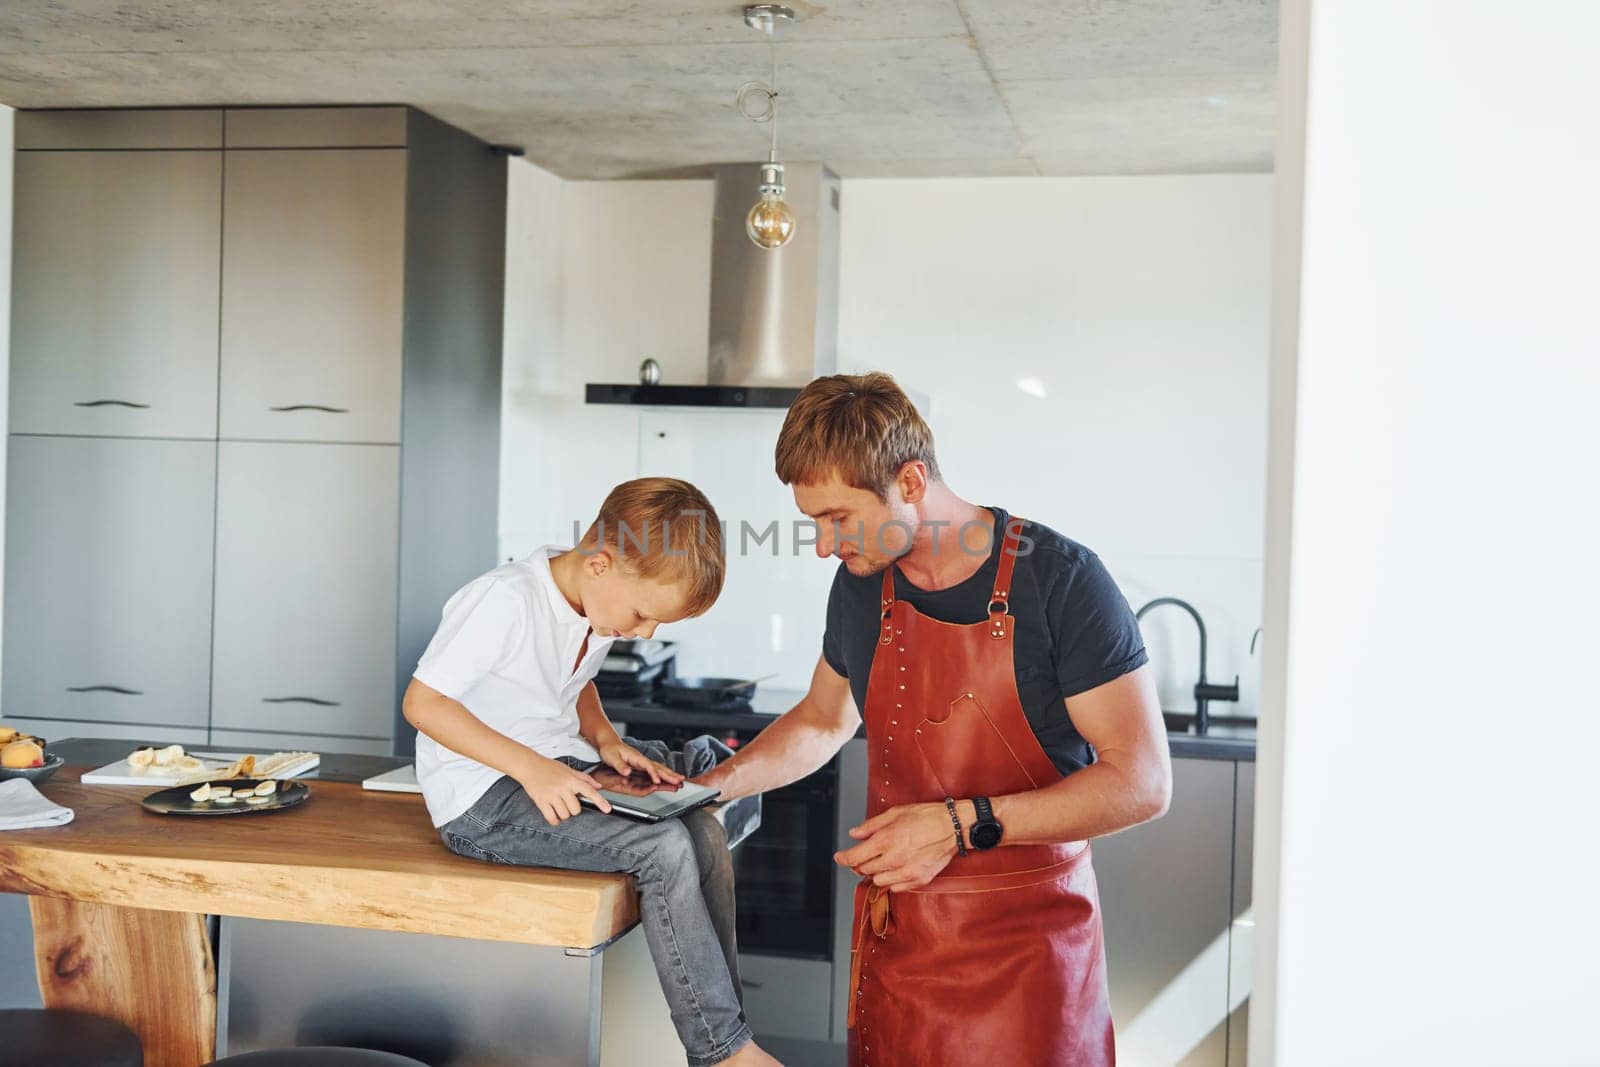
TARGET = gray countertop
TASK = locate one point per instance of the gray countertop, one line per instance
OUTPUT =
(1232, 741)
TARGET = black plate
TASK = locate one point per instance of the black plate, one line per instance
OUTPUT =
(175, 801)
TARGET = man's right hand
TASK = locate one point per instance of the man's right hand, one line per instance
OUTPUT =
(716, 778)
(797, 743)
(555, 788)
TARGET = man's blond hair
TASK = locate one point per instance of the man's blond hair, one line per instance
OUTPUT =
(666, 530)
(861, 427)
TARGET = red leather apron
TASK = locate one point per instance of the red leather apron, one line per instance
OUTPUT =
(1000, 958)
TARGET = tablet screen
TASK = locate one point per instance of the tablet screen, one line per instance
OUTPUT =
(662, 802)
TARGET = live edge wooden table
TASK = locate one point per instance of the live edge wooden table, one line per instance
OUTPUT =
(344, 920)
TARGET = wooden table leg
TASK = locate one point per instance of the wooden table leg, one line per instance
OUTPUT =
(151, 970)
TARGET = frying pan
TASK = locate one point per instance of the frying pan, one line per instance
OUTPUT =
(708, 692)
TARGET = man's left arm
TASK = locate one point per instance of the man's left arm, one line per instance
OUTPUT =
(1130, 783)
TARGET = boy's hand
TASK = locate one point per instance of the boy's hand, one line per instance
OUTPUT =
(555, 788)
(625, 759)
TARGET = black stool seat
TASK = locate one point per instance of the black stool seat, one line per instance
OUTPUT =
(49, 1037)
(318, 1057)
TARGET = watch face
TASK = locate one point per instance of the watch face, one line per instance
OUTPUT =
(986, 834)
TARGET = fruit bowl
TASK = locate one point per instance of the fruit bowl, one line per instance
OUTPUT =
(52, 764)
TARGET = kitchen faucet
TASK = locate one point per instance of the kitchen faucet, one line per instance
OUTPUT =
(1204, 691)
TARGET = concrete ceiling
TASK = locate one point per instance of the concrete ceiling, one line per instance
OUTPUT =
(596, 89)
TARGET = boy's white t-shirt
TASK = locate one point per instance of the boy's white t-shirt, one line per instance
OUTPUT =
(505, 649)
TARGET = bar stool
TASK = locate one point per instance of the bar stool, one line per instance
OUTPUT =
(320, 1056)
(37, 1037)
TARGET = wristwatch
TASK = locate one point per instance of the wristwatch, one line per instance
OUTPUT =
(987, 831)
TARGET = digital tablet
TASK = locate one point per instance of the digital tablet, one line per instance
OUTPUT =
(657, 803)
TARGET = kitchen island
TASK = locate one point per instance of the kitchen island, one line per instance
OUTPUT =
(344, 920)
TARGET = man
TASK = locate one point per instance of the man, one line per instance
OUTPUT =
(1010, 717)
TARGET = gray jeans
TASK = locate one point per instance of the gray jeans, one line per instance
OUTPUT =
(685, 878)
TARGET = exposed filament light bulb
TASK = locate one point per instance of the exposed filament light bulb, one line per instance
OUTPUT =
(771, 222)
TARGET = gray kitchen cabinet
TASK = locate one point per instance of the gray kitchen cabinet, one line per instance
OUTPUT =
(852, 811)
(786, 997)
(313, 269)
(119, 128)
(19, 981)
(1165, 890)
(317, 127)
(191, 737)
(114, 302)
(242, 741)
(270, 277)
(307, 549)
(108, 579)
(1242, 943)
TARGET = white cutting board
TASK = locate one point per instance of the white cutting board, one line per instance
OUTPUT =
(122, 773)
(399, 780)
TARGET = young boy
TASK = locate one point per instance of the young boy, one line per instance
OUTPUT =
(510, 725)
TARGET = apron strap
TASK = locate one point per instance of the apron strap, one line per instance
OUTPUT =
(999, 603)
(886, 624)
(874, 917)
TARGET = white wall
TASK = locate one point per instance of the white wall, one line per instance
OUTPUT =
(1427, 894)
(7, 169)
(601, 275)
(1137, 306)
(1095, 350)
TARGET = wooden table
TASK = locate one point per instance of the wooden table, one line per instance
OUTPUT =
(119, 897)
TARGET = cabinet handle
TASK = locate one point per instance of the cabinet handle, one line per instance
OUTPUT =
(312, 407)
(109, 404)
(119, 690)
(318, 701)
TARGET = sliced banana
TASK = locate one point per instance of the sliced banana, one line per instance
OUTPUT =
(258, 800)
(203, 793)
(188, 765)
(169, 755)
(269, 766)
(142, 758)
(228, 799)
(266, 789)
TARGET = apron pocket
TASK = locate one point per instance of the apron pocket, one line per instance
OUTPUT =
(965, 751)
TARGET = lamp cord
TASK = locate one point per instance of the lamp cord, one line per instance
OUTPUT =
(767, 92)
(772, 92)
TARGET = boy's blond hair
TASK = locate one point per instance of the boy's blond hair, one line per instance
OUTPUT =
(862, 427)
(666, 530)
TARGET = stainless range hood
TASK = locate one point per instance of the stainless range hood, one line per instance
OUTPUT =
(774, 312)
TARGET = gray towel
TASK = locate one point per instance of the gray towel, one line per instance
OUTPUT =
(23, 807)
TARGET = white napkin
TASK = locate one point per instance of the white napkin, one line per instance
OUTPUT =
(23, 807)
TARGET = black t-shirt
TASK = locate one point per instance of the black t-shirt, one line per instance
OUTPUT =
(1073, 628)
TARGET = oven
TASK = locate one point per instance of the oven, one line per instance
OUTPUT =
(784, 871)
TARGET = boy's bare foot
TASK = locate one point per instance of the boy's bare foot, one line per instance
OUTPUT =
(752, 1055)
